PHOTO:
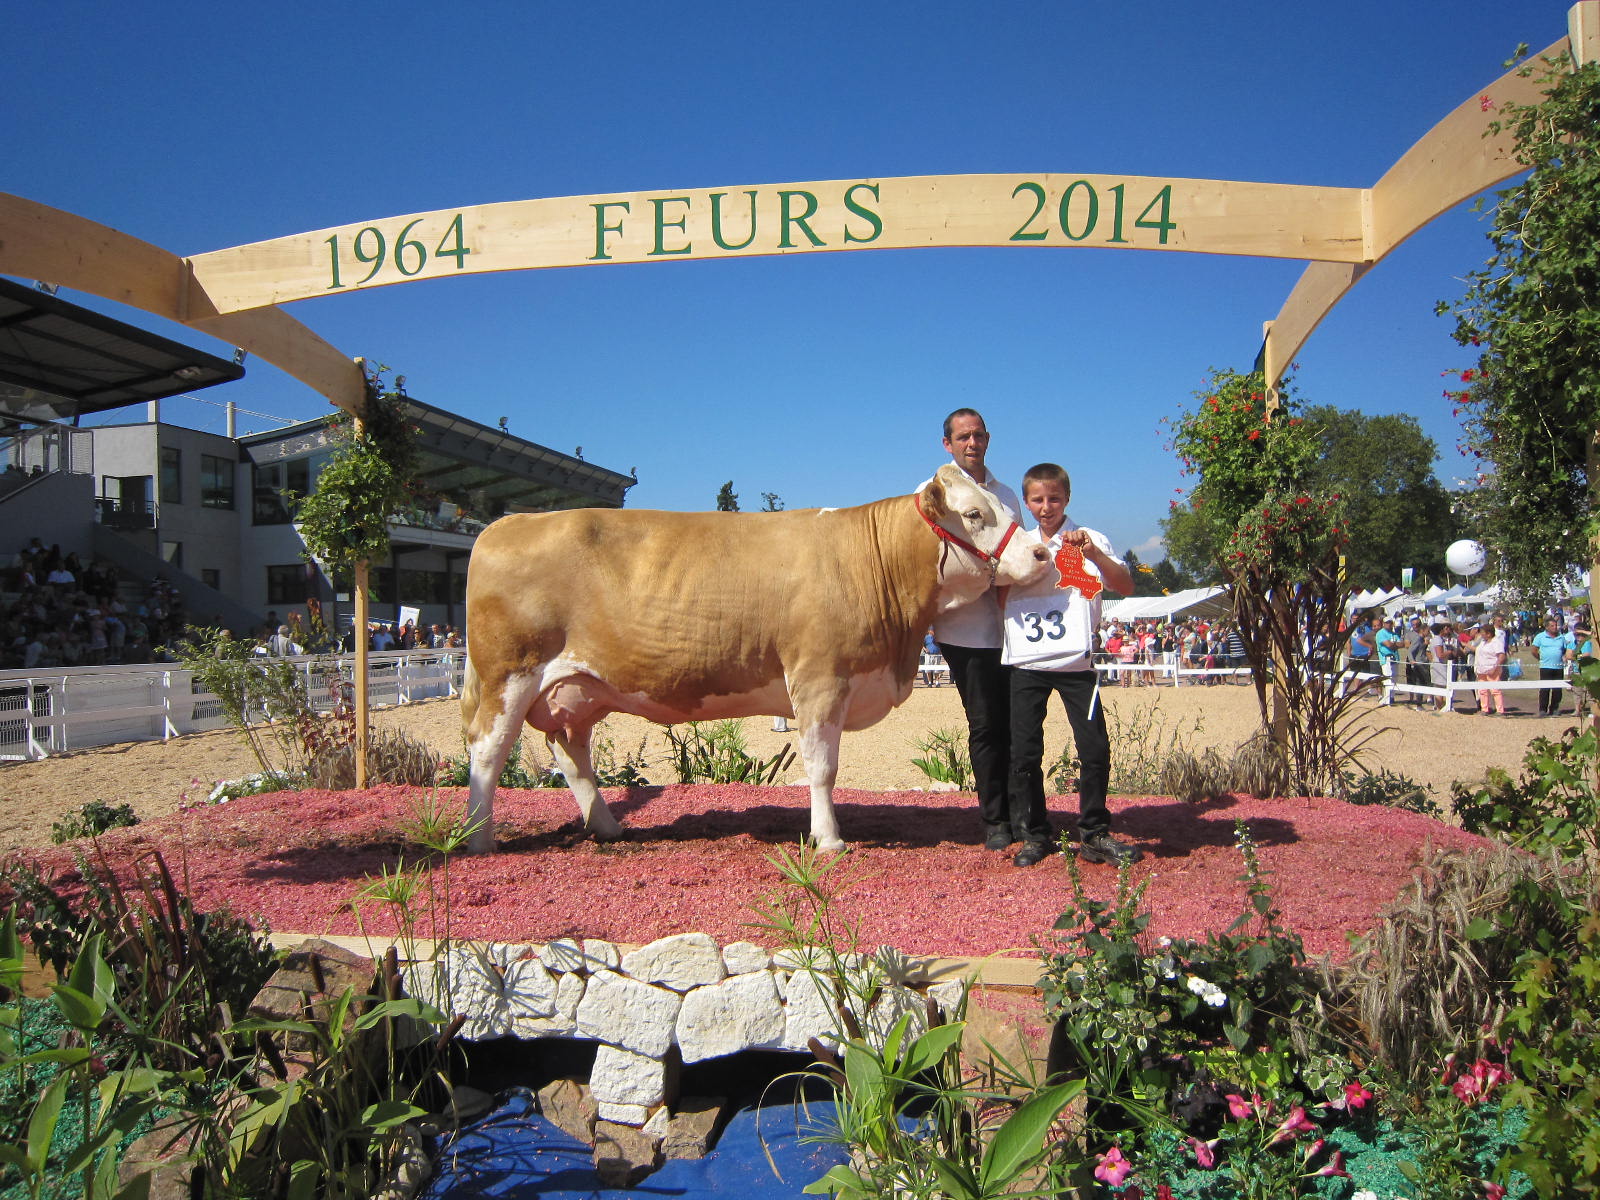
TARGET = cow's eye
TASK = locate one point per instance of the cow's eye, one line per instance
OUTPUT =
(974, 515)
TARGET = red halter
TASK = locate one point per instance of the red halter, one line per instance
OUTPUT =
(950, 539)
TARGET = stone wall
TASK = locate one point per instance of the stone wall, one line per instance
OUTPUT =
(680, 999)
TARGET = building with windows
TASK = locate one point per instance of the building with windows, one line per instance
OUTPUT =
(212, 513)
(209, 512)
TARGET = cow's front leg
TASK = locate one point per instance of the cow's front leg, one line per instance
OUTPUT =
(571, 752)
(819, 746)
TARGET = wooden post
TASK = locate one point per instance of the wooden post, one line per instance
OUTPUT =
(360, 618)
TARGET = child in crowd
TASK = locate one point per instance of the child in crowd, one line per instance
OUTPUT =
(1049, 643)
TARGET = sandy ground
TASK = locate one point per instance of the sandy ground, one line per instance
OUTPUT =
(155, 777)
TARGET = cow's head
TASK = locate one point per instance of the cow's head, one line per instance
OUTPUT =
(954, 503)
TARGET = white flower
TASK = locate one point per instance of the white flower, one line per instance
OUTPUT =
(1207, 991)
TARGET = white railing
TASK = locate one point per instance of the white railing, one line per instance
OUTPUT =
(52, 711)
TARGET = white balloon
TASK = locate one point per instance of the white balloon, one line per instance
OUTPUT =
(1466, 557)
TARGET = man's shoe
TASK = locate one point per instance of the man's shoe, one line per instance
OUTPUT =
(999, 840)
(1033, 852)
(1102, 847)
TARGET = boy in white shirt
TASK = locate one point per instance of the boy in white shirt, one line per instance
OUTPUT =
(1049, 644)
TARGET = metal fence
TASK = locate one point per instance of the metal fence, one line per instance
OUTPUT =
(54, 711)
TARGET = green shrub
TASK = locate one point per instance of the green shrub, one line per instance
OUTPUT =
(1552, 807)
(944, 758)
(716, 753)
(608, 771)
(94, 817)
(1389, 788)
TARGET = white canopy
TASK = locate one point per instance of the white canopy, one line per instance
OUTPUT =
(1192, 602)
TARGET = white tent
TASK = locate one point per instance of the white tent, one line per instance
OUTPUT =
(1192, 602)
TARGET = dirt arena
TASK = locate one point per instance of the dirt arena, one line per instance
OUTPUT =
(155, 777)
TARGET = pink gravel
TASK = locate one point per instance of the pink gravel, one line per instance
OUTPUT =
(696, 860)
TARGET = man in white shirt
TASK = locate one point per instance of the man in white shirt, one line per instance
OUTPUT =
(969, 637)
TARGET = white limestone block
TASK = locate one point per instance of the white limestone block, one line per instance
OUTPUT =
(563, 954)
(724, 1018)
(740, 958)
(529, 989)
(622, 1114)
(808, 1013)
(680, 962)
(601, 955)
(656, 1126)
(624, 1012)
(892, 1003)
(948, 996)
(623, 1077)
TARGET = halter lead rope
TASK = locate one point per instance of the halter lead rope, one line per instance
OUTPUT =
(951, 539)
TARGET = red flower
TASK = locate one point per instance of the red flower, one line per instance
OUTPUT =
(1254, 434)
(1493, 1191)
(1163, 1192)
(1293, 1125)
(1485, 105)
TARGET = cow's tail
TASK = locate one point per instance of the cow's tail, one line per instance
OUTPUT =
(470, 695)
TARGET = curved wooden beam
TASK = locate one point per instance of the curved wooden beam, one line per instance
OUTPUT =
(1454, 161)
(39, 242)
(1208, 216)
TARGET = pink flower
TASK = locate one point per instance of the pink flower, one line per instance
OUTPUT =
(1493, 1191)
(1485, 105)
(1292, 1126)
(1239, 1108)
(1335, 1166)
(1355, 1097)
(1113, 1168)
(1204, 1152)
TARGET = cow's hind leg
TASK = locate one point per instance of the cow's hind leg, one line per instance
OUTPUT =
(570, 748)
(491, 720)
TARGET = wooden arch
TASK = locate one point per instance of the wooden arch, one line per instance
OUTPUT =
(233, 294)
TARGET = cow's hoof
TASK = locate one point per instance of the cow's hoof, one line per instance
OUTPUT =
(832, 845)
(614, 834)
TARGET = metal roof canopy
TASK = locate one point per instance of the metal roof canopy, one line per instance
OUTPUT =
(60, 360)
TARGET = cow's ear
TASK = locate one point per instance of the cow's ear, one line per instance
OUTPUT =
(934, 505)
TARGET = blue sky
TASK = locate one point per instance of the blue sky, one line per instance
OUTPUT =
(820, 377)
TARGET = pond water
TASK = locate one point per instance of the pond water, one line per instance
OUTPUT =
(514, 1152)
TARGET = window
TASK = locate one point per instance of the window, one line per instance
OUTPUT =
(271, 480)
(172, 552)
(216, 481)
(287, 584)
(212, 578)
(171, 475)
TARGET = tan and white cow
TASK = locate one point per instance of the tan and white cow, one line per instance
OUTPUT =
(816, 614)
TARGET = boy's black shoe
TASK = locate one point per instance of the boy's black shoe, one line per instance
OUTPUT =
(1033, 852)
(1102, 847)
(999, 840)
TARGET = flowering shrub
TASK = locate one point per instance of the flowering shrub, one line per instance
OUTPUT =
(1284, 531)
(1241, 456)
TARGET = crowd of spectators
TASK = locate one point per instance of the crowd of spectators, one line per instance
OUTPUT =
(58, 611)
(1135, 653)
(297, 634)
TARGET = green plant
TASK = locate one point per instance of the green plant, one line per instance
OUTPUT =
(1142, 742)
(1195, 778)
(96, 816)
(1533, 403)
(180, 971)
(1261, 768)
(1555, 1026)
(609, 771)
(944, 758)
(334, 1126)
(717, 754)
(266, 700)
(108, 1104)
(1387, 787)
(345, 519)
(916, 1125)
(1553, 807)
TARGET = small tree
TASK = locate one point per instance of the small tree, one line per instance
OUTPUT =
(1532, 410)
(727, 498)
(1279, 542)
(771, 502)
